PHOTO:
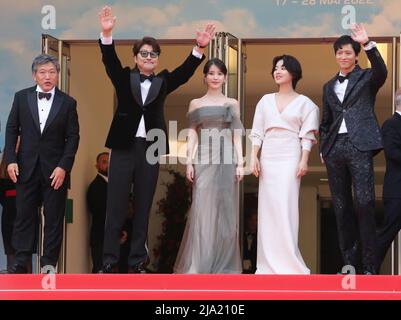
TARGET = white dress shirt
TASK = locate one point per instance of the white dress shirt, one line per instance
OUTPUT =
(145, 86)
(104, 177)
(340, 88)
(44, 107)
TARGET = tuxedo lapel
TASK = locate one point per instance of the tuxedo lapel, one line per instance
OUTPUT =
(33, 106)
(153, 90)
(352, 81)
(332, 96)
(55, 108)
(135, 83)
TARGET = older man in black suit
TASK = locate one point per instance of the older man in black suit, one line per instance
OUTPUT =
(46, 120)
(350, 136)
(140, 113)
(391, 131)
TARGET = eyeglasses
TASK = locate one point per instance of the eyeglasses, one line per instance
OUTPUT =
(153, 54)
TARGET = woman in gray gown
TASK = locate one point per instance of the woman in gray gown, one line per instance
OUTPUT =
(210, 242)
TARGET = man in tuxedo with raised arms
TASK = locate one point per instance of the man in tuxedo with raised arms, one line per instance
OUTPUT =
(141, 95)
(46, 120)
(349, 138)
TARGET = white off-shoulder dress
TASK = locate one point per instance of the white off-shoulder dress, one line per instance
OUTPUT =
(282, 137)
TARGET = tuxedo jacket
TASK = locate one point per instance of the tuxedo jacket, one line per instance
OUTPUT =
(391, 130)
(357, 107)
(54, 147)
(130, 108)
(96, 198)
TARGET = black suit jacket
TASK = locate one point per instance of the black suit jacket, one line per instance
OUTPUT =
(54, 147)
(96, 198)
(357, 107)
(130, 107)
(391, 130)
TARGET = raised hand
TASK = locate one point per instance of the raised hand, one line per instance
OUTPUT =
(203, 37)
(107, 21)
(359, 33)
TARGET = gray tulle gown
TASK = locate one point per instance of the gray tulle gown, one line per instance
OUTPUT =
(210, 243)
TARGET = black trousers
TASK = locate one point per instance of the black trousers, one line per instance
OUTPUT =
(391, 227)
(30, 196)
(7, 223)
(129, 166)
(348, 167)
(97, 257)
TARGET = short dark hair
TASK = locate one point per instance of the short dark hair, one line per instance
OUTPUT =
(215, 62)
(344, 40)
(146, 40)
(292, 65)
(44, 59)
(101, 154)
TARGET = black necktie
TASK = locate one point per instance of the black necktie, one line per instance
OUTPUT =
(46, 95)
(342, 78)
(145, 77)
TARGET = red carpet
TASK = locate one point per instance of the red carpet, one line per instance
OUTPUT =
(198, 287)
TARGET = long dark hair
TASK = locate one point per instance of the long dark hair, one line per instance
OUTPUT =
(215, 62)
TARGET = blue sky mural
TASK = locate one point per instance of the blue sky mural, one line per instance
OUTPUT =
(22, 25)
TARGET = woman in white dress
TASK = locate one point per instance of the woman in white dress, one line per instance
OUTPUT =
(210, 243)
(284, 128)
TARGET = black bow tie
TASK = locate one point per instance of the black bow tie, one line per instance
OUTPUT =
(145, 77)
(342, 78)
(46, 95)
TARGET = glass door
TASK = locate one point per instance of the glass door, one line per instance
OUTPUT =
(231, 51)
(61, 51)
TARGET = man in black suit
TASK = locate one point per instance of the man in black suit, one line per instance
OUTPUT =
(46, 120)
(141, 95)
(349, 137)
(96, 198)
(391, 131)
